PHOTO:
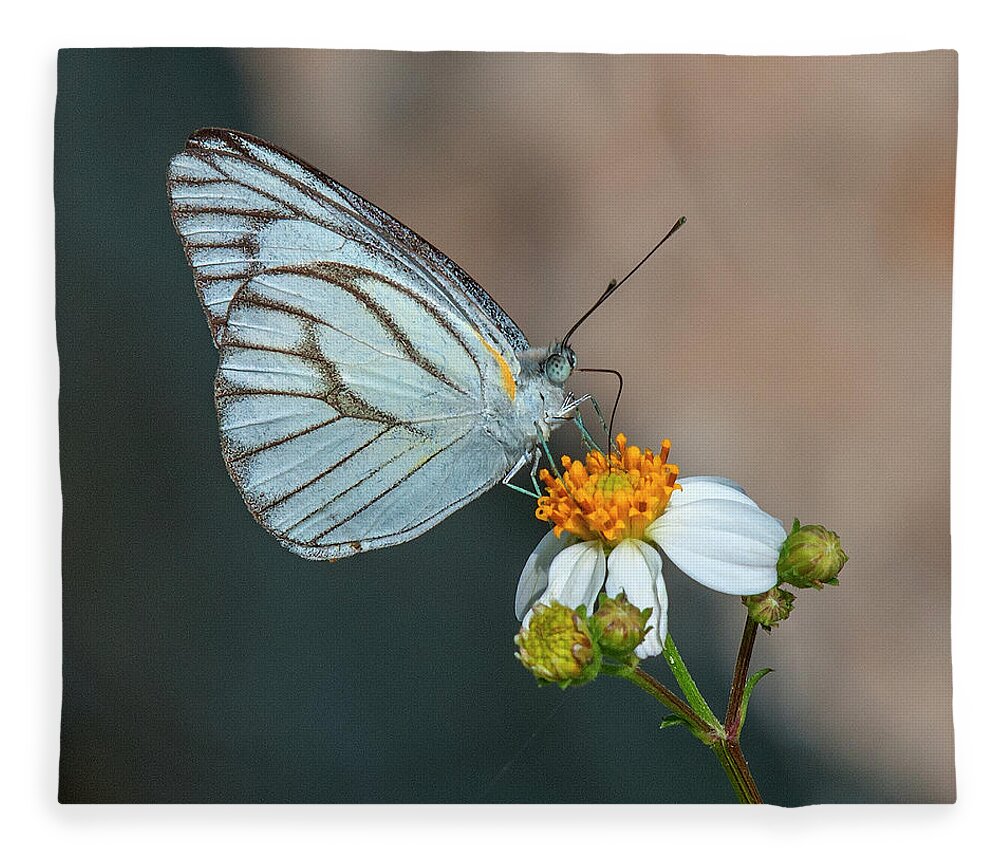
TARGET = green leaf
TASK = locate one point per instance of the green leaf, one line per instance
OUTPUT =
(688, 687)
(707, 739)
(747, 690)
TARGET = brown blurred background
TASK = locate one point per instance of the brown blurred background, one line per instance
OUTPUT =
(793, 336)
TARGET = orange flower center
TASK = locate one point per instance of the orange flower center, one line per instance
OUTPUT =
(608, 499)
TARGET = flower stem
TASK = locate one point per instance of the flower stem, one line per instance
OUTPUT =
(740, 672)
(725, 738)
(729, 752)
(646, 682)
(735, 765)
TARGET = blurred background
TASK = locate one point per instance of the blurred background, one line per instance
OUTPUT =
(794, 336)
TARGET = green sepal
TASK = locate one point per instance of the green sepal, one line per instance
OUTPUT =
(747, 690)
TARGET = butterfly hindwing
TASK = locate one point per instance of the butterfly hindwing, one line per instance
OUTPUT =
(329, 408)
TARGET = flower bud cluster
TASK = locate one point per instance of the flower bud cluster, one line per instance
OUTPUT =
(563, 646)
(810, 557)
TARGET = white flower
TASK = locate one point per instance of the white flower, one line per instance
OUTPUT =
(710, 529)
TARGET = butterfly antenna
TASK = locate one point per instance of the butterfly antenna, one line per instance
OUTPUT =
(615, 284)
(618, 397)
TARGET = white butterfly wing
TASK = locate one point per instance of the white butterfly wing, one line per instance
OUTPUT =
(342, 432)
(241, 204)
(356, 365)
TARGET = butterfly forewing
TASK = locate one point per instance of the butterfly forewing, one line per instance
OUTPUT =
(241, 204)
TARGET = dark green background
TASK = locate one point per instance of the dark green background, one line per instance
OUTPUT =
(204, 663)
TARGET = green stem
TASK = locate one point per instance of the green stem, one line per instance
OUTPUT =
(729, 751)
(725, 739)
(740, 672)
(646, 682)
(735, 765)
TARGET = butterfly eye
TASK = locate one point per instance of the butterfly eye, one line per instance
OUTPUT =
(559, 365)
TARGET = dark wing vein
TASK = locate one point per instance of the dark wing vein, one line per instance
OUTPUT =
(385, 492)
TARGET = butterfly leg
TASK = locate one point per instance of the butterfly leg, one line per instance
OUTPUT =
(570, 405)
(536, 457)
(574, 406)
(508, 480)
(588, 440)
(600, 416)
(544, 445)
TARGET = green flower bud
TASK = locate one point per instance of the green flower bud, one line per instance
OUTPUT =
(618, 625)
(810, 557)
(557, 646)
(769, 608)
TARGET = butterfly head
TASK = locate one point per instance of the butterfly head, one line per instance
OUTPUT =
(559, 363)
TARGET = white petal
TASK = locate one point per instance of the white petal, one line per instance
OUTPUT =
(535, 576)
(726, 545)
(697, 488)
(576, 575)
(637, 569)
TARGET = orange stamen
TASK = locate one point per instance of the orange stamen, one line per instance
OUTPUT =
(609, 499)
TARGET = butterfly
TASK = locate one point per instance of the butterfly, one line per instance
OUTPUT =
(367, 387)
